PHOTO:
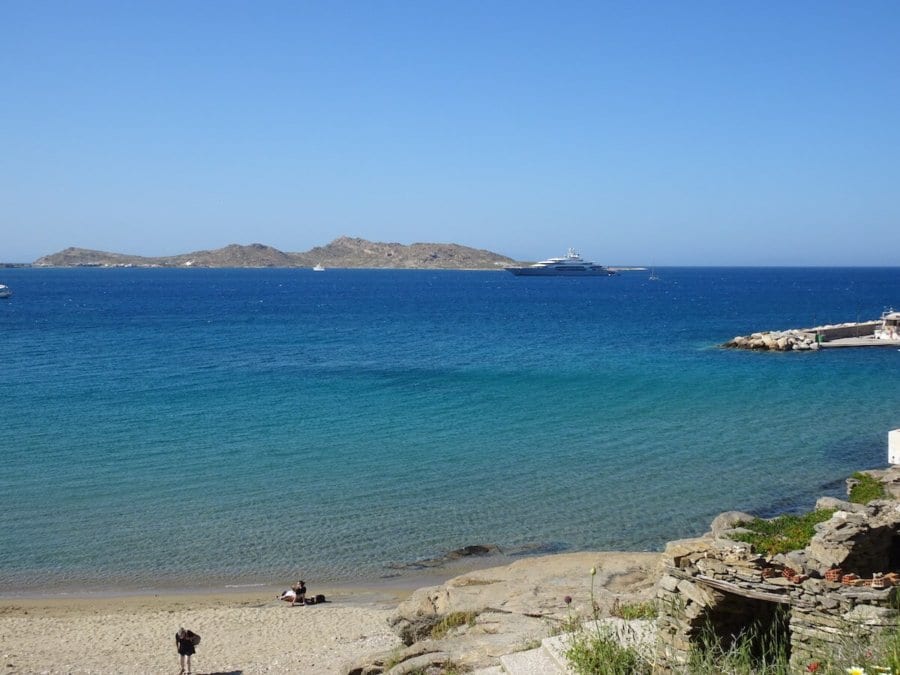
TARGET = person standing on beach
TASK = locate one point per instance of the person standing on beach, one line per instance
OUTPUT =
(184, 643)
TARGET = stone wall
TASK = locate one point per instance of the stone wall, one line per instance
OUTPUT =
(710, 582)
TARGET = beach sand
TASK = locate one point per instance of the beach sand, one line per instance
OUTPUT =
(242, 633)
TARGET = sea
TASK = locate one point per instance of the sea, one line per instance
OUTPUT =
(208, 428)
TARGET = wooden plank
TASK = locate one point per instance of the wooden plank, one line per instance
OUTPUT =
(728, 587)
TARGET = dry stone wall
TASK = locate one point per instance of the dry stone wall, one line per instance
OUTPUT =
(840, 587)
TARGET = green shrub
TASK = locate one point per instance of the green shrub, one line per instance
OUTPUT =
(784, 533)
(866, 489)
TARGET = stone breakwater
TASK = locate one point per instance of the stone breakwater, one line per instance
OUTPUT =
(801, 339)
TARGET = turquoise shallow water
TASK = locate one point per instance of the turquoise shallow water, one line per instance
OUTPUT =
(184, 428)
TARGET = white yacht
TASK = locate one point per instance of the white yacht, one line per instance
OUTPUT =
(571, 265)
(5, 291)
(318, 268)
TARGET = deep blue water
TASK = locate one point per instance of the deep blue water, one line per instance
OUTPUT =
(182, 428)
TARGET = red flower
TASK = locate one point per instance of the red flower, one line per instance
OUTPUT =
(813, 667)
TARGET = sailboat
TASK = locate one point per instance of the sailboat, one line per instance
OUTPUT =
(653, 276)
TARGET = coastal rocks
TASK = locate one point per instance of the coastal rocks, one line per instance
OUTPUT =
(823, 503)
(471, 645)
(779, 341)
(470, 551)
(728, 521)
(508, 607)
(536, 587)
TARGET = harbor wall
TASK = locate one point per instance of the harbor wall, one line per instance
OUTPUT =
(846, 330)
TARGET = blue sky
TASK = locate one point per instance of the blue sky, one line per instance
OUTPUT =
(664, 133)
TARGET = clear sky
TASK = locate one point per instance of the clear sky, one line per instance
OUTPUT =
(664, 133)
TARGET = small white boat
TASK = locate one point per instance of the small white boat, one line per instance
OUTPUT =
(5, 291)
(318, 268)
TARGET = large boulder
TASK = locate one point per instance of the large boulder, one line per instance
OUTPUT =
(728, 521)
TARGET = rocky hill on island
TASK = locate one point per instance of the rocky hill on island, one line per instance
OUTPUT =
(346, 252)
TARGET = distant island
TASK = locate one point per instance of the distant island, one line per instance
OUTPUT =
(345, 252)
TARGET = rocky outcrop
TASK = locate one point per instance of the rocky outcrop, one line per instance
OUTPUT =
(508, 608)
(470, 551)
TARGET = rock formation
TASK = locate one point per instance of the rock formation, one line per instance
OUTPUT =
(503, 609)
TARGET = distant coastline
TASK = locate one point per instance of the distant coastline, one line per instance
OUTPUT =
(343, 252)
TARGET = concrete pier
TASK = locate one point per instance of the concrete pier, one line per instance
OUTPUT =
(869, 341)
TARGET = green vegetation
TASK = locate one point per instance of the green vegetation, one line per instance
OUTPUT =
(634, 610)
(866, 489)
(596, 654)
(755, 651)
(784, 533)
(451, 621)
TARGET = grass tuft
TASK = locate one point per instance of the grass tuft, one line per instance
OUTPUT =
(451, 621)
(634, 610)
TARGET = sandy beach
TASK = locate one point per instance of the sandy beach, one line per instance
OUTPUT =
(250, 631)
(241, 632)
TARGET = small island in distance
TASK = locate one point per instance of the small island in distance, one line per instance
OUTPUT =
(344, 252)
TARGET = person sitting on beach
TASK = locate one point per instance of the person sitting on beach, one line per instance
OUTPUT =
(296, 595)
(299, 592)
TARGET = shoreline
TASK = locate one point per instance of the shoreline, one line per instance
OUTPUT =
(402, 583)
